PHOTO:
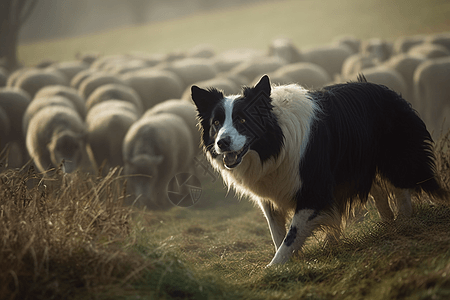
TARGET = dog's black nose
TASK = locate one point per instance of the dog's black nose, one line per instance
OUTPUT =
(224, 144)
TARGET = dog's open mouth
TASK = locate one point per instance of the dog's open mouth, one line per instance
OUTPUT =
(232, 159)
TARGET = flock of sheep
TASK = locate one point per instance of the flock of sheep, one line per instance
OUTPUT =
(135, 111)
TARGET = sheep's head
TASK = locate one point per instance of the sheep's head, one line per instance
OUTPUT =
(67, 146)
(143, 175)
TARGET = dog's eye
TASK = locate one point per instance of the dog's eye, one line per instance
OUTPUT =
(216, 123)
(242, 121)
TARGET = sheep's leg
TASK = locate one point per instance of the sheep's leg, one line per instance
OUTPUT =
(276, 221)
(382, 203)
(302, 225)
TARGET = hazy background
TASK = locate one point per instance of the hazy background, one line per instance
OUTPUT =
(69, 27)
(68, 18)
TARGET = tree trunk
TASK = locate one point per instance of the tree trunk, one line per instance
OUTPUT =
(13, 14)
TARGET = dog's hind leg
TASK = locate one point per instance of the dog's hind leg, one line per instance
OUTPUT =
(276, 221)
(381, 198)
(403, 202)
(302, 225)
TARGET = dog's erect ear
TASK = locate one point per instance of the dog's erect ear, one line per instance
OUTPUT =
(263, 85)
(205, 99)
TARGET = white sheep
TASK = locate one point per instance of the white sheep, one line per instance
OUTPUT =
(151, 59)
(221, 83)
(191, 70)
(40, 103)
(102, 62)
(238, 80)
(12, 78)
(276, 79)
(284, 49)
(404, 43)
(5, 127)
(154, 85)
(125, 63)
(183, 109)
(429, 51)
(111, 104)
(174, 56)
(15, 102)
(119, 64)
(258, 67)
(70, 68)
(66, 92)
(201, 51)
(3, 76)
(188, 112)
(432, 90)
(87, 57)
(95, 80)
(81, 76)
(355, 63)
(56, 134)
(33, 80)
(124, 67)
(114, 91)
(227, 60)
(155, 149)
(306, 74)
(350, 41)
(107, 124)
(442, 39)
(330, 57)
(406, 65)
(385, 76)
(378, 48)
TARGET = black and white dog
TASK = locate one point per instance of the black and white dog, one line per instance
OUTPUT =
(310, 154)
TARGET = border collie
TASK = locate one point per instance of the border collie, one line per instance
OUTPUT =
(309, 156)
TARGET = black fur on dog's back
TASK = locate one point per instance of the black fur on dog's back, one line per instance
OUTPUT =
(364, 130)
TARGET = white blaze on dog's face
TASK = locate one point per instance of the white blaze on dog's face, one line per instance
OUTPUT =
(228, 132)
(229, 139)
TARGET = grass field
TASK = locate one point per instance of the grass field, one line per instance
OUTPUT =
(69, 237)
(306, 22)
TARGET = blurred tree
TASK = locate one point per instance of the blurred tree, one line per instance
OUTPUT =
(13, 14)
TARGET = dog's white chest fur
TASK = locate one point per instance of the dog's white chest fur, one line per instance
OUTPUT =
(277, 178)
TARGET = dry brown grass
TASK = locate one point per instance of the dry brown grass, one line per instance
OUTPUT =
(69, 236)
(442, 151)
(55, 230)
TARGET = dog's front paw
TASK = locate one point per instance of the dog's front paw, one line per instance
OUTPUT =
(278, 259)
